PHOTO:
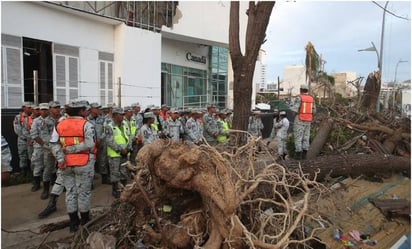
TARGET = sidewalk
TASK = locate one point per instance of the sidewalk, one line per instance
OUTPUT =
(20, 207)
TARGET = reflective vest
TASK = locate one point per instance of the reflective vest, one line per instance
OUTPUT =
(120, 138)
(132, 126)
(29, 120)
(71, 132)
(225, 126)
(306, 108)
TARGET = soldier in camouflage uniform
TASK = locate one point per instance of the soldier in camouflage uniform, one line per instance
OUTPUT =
(57, 180)
(147, 133)
(173, 127)
(5, 161)
(210, 126)
(280, 127)
(304, 107)
(41, 137)
(22, 125)
(193, 128)
(255, 125)
(118, 148)
(137, 118)
(95, 116)
(73, 145)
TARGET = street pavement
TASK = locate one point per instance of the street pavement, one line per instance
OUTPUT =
(19, 214)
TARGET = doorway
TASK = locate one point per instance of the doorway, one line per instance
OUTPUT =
(37, 55)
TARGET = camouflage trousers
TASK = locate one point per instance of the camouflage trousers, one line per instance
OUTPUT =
(281, 142)
(58, 185)
(118, 172)
(25, 152)
(78, 183)
(43, 163)
(301, 132)
(102, 161)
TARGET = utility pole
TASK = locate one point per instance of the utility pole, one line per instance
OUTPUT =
(35, 87)
(119, 92)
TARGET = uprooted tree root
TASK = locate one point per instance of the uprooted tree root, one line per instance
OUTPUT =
(187, 196)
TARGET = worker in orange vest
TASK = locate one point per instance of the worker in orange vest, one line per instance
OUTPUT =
(73, 144)
(304, 107)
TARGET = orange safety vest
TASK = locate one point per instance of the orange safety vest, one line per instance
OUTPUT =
(305, 109)
(29, 121)
(71, 132)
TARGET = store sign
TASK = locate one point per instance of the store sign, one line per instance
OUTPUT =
(191, 57)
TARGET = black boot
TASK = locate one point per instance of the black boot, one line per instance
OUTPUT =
(85, 217)
(304, 152)
(74, 222)
(50, 208)
(105, 179)
(298, 155)
(36, 183)
(45, 194)
(53, 179)
(115, 191)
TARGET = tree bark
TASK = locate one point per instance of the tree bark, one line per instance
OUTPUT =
(244, 65)
(320, 139)
(371, 91)
(351, 165)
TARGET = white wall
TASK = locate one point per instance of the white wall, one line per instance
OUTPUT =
(174, 52)
(138, 63)
(35, 20)
(293, 77)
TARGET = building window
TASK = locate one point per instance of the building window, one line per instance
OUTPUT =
(106, 77)
(183, 86)
(11, 71)
(218, 76)
(66, 63)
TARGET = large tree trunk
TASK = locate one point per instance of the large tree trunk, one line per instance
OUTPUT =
(352, 165)
(371, 91)
(320, 139)
(244, 65)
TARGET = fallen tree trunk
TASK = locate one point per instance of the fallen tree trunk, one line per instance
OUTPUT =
(351, 165)
(320, 139)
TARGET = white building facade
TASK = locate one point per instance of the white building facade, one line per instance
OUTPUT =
(82, 55)
(293, 77)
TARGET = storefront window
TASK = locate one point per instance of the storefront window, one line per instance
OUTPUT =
(218, 78)
(183, 87)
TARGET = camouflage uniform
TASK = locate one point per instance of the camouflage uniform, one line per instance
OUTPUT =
(148, 134)
(173, 129)
(301, 129)
(22, 130)
(117, 172)
(255, 126)
(78, 179)
(5, 156)
(281, 127)
(193, 131)
(210, 128)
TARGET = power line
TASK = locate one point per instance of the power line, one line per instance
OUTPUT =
(390, 12)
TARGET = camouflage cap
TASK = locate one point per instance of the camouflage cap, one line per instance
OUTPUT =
(117, 110)
(35, 107)
(44, 106)
(137, 104)
(304, 86)
(95, 105)
(148, 115)
(128, 109)
(27, 104)
(54, 104)
(78, 104)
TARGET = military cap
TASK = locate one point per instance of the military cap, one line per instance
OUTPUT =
(155, 107)
(35, 107)
(128, 109)
(53, 104)
(282, 113)
(111, 105)
(164, 105)
(211, 106)
(78, 104)
(117, 110)
(223, 111)
(304, 86)
(95, 105)
(148, 115)
(44, 106)
(135, 104)
(255, 111)
(174, 110)
(27, 104)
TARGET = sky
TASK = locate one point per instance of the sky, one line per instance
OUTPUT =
(338, 29)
